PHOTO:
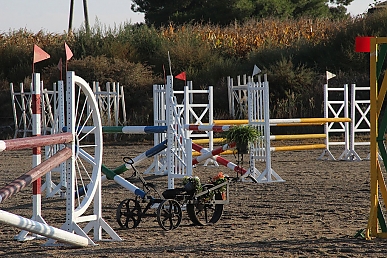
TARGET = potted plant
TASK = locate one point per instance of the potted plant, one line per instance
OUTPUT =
(243, 136)
(192, 184)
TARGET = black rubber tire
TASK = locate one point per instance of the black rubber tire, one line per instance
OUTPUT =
(205, 214)
(128, 214)
(169, 214)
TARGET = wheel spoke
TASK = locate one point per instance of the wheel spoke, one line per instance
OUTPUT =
(86, 156)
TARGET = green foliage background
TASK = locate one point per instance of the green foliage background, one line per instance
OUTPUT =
(223, 12)
(293, 53)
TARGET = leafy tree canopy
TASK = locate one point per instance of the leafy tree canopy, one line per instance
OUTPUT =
(224, 12)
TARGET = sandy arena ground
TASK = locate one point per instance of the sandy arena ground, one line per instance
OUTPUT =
(315, 213)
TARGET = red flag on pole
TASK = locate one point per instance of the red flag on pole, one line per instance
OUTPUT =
(181, 76)
(69, 53)
(363, 44)
(39, 54)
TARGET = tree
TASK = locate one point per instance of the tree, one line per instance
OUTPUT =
(224, 12)
(182, 11)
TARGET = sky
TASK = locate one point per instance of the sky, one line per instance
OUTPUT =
(52, 16)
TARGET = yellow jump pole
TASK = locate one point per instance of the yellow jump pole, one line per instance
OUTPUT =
(272, 137)
(298, 147)
(372, 220)
(298, 136)
(288, 121)
(204, 141)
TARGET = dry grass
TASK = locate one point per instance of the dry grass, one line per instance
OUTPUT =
(242, 38)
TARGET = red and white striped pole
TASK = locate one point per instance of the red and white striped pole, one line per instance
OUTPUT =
(214, 128)
(220, 159)
(36, 151)
(36, 173)
(212, 153)
(35, 141)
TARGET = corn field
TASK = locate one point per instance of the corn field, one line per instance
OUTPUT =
(236, 39)
(240, 39)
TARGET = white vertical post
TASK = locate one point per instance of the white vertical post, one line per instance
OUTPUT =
(230, 97)
(116, 91)
(122, 97)
(259, 116)
(211, 115)
(70, 165)
(61, 124)
(109, 115)
(42, 107)
(15, 118)
(24, 109)
(170, 136)
(345, 153)
(326, 127)
(186, 109)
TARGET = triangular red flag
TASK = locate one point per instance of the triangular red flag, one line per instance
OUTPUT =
(39, 54)
(69, 54)
(181, 76)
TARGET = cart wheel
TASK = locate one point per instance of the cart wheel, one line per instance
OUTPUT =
(169, 214)
(128, 213)
(202, 214)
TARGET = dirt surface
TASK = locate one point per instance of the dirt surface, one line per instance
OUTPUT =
(315, 213)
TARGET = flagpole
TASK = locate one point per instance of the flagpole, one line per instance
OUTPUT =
(170, 66)
(60, 68)
(165, 77)
(33, 60)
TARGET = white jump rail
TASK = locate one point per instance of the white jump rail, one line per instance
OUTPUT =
(42, 229)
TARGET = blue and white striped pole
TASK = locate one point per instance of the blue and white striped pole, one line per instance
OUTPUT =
(124, 129)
